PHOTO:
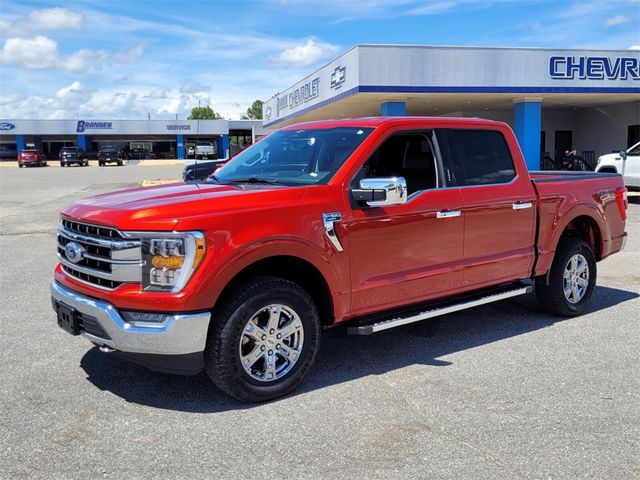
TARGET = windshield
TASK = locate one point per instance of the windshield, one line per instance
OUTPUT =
(295, 157)
(109, 149)
(69, 149)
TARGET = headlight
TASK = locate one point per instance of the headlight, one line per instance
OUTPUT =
(169, 259)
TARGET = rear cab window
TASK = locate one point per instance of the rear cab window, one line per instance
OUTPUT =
(475, 157)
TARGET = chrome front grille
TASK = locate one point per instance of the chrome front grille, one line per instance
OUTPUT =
(107, 259)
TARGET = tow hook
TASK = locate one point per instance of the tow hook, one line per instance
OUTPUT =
(105, 349)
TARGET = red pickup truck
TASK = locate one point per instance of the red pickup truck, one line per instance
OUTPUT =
(370, 223)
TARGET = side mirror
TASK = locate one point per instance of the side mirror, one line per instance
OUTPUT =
(381, 192)
(623, 154)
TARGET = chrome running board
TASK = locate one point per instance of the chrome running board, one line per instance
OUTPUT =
(398, 320)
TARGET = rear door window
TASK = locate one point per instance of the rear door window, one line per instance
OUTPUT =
(476, 157)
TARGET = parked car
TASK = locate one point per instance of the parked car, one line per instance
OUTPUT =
(110, 154)
(626, 163)
(359, 222)
(205, 150)
(8, 152)
(140, 154)
(70, 155)
(32, 158)
(200, 171)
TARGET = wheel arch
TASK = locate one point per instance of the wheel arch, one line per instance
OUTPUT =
(585, 227)
(294, 269)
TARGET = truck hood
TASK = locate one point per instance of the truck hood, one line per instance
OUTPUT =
(610, 157)
(176, 206)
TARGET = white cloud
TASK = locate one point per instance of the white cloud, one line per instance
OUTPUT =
(157, 93)
(129, 55)
(304, 54)
(52, 19)
(84, 60)
(194, 88)
(42, 52)
(38, 52)
(634, 47)
(434, 8)
(617, 20)
(71, 97)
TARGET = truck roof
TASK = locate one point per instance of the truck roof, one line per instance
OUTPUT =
(378, 121)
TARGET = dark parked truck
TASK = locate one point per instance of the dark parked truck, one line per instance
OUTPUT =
(371, 223)
(70, 155)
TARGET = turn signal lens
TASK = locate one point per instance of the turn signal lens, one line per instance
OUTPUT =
(158, 261)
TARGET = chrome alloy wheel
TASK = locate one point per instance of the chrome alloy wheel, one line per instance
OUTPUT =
(576, 278)
(271, 343)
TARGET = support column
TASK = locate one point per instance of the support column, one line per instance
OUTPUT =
(223, 146)
(19, 144)
(83, 142)
(37, 142)
(393, 109)
(180, 147)
(527, 115)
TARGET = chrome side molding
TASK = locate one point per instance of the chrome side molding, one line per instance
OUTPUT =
(329, 220)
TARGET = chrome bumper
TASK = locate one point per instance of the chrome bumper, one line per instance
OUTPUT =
(180, 334)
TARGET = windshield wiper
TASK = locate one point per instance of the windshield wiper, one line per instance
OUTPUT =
(254, 180)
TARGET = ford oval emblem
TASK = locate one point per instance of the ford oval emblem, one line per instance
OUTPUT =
(7, 126)
(73, 252)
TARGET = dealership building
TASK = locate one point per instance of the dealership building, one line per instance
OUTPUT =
(165, 138)
(555, 100)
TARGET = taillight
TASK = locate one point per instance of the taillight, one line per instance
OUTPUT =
(622, 201)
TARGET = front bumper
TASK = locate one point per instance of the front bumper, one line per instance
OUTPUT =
(180, 334)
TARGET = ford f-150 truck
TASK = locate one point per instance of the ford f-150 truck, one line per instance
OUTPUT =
(369, 223)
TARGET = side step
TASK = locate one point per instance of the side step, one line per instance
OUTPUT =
(436, 312)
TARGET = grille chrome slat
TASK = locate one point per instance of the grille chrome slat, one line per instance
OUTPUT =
(109, 259)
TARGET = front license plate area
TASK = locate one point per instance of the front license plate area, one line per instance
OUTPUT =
(67, 319)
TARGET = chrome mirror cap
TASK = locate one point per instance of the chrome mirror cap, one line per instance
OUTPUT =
(395, 189)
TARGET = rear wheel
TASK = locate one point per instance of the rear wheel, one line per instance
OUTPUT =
(264, 339)
(100, 164)
(62, 164)
(120, 163)
(572, 279)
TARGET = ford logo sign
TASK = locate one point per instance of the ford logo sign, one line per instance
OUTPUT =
(7, 126)
(73, 252)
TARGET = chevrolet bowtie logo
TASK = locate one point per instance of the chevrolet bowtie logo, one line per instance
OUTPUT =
(338, 77)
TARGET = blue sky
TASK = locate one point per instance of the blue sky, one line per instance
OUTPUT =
(111, 59)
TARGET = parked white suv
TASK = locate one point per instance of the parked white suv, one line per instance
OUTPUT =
(205, 150)
(626, 163)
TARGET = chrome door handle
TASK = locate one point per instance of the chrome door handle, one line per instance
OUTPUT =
(448, 213)
(521, 205)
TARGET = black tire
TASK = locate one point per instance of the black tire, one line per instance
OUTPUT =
(552, 296)
(120, 163)
(100, 164)
(222, 353)
(62, 164)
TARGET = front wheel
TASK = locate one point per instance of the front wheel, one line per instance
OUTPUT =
(263, 340)
(572, 279)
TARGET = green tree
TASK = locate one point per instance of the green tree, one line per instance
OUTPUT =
(254, 112)
(204, 113)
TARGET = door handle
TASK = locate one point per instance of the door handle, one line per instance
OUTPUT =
(521, 205)
(448, 213)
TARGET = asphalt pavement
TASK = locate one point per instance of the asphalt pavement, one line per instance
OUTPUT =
(500, 391)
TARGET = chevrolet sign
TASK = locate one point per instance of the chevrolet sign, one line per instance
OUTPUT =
(594, 68)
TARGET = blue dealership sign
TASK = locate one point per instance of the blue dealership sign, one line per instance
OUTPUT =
(84, 125)
(7, 126)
